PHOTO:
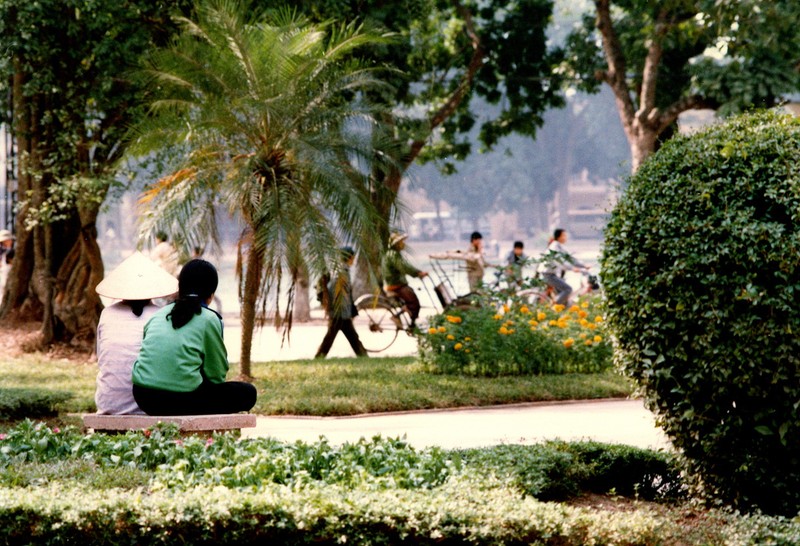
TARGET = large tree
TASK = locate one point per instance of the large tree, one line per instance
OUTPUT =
(661, 59)
(449, 52)
(62, 81)
(269, 117)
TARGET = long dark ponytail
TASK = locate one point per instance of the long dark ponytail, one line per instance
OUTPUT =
(197, 281)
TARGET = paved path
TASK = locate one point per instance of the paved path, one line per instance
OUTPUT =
(610, 421)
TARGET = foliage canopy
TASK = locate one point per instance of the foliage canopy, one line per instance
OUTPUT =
(701, 268)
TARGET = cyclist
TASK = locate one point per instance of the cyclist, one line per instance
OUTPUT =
(557, 260)
(395, 270)
(514, 262)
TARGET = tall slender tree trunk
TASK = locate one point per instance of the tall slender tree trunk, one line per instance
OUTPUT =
(252, 283)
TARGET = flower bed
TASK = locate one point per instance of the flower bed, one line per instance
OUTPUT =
(518, 339)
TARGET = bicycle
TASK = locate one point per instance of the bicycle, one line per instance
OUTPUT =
(546, 295)
(381, 317)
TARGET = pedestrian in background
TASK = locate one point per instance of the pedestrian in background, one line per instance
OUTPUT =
(341, 309)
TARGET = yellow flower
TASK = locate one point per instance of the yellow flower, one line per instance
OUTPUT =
(533, 328)
(533, 322)
(498, 317)
(457, 346)
(585, 305)
(467, 338)
(451, 337)
(588, 342)
(598, 318)
(503, 330)
(558, 308)
(592, 326)
(582, 336)
(562, 324)
(598, 339)
(524, 310)
(505, 307)
(511, 331)
(569, 343)
(442, 329)
(584, 323)
(553, 323)
(574, 309)
(432, 330)
(467, 351)
(541, 315)
(453, 319)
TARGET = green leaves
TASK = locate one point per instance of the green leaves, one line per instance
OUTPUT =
(701, 272)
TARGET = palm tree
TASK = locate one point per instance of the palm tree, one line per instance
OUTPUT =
(269, 119)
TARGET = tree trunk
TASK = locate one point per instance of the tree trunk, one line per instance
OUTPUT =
(248, 298)
(76, 305)
(301, 311)
(17, 307)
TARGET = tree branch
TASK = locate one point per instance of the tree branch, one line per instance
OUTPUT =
(615, 75)
(647, 96)
(452, 103)
(663, 119)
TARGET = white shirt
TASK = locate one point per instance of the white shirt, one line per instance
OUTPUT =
(556, 258)
(119, 336)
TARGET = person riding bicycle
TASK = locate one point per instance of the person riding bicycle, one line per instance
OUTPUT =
(514, 263)
(395, 269)
(557, 260)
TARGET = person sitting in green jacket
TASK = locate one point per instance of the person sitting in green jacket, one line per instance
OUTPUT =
(183, 362)
(395, 269)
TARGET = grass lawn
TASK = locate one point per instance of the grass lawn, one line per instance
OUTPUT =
(337, 386)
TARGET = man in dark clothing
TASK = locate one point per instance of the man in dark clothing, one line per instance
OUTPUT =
(341, 309)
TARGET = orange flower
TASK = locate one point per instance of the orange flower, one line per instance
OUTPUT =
(442, 329)
(540, 316)
(453, 319)
(432, 330)
(598, 339)
(451, 337)
(598, 318)
(524, 310)
(569, 343)
(458, 346)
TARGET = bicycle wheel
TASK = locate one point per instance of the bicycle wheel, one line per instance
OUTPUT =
(376, 323)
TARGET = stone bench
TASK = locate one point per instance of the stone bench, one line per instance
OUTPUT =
(187, 424)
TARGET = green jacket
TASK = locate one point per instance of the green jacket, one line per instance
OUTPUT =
(179, 360)
(396, 267)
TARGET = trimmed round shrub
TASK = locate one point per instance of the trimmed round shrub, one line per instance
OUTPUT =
(701, 267)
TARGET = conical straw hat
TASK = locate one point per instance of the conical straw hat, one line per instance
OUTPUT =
(137, 278)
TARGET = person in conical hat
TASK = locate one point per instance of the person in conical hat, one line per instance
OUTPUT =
(135, 282)
(395, 269)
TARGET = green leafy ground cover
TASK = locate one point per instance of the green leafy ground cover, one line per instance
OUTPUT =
(224, 490)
